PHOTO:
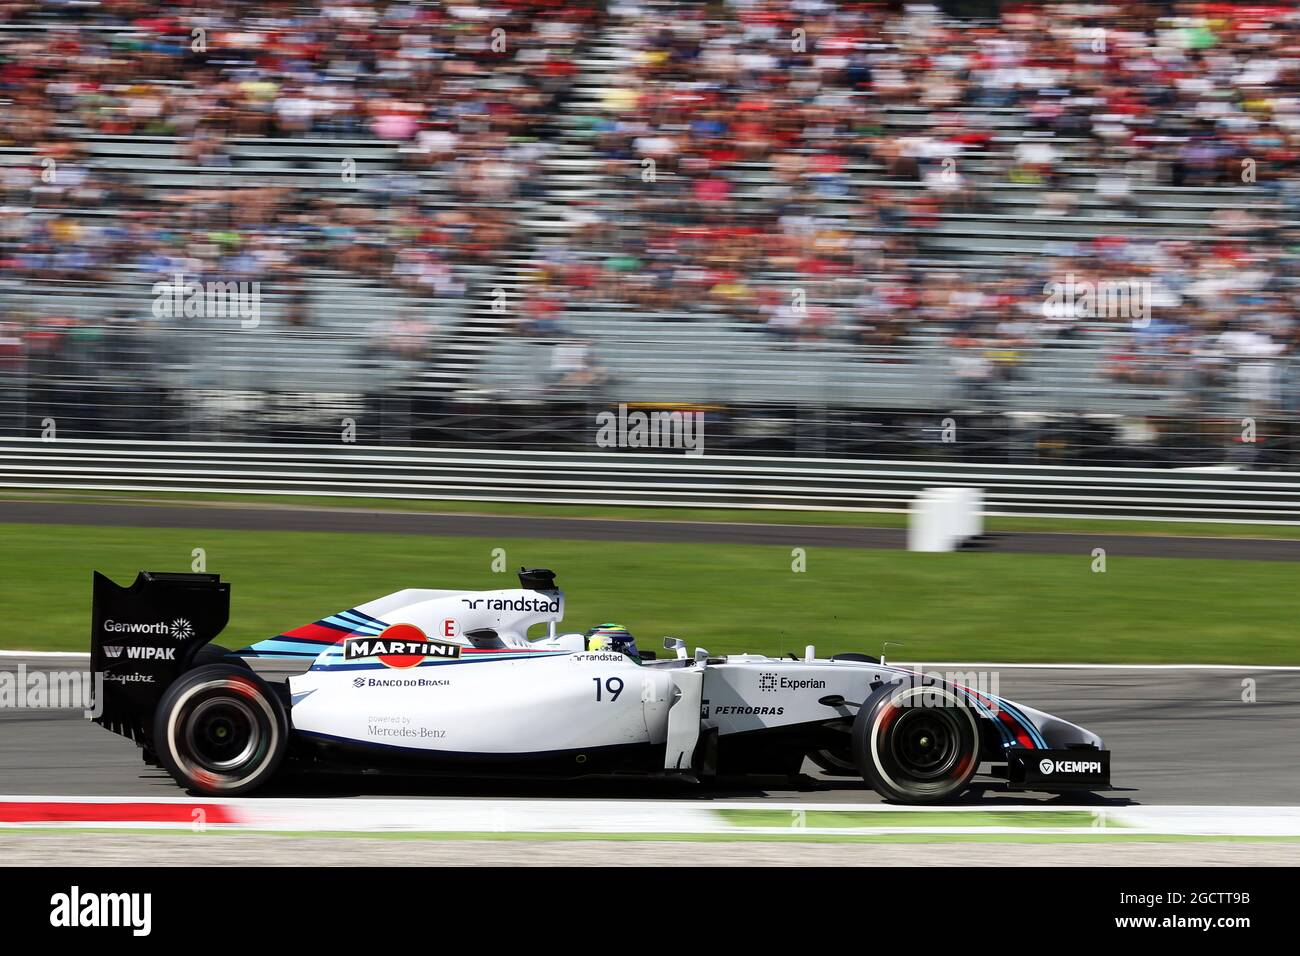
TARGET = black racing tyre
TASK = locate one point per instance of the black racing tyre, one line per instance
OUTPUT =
(836, 761)
(916, 744)
(219, 730)
(216, 654)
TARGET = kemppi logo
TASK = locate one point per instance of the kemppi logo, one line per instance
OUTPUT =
(1047, 766)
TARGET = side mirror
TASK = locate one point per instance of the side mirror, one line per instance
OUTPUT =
(676, 644)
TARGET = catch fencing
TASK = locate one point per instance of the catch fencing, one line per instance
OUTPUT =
(628, 478)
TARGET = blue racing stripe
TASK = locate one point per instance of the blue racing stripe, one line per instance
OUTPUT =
(485, 659)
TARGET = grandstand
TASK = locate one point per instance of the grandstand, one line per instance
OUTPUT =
(837, 247)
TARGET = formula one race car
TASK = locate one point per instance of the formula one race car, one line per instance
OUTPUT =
(426, 681)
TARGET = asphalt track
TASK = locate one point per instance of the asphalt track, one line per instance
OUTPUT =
(240, 517)
(1178, 736)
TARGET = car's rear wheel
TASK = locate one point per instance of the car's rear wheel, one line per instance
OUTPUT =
(916, 744)
(216, 654)
(219, 730)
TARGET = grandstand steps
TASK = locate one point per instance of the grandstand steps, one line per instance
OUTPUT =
(766, 370)
(341, 351)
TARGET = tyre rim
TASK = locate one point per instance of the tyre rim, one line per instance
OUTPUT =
(924, 743)
(222, 734)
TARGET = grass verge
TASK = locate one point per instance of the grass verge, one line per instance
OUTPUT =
(728, 598)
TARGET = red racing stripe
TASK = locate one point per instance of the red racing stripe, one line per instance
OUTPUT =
(113, 813)
(1022, 738)
(317, 633)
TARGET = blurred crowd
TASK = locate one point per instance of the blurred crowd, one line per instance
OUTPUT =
(206, 71)
(746, 160)
(469, 91)
(752, 127)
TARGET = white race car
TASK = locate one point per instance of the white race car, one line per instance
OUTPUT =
(435, 681)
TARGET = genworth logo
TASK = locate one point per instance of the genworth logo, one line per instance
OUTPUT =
(180, 629)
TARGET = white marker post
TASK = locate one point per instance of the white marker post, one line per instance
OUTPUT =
(941, 519)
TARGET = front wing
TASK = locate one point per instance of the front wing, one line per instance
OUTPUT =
(1055, 770)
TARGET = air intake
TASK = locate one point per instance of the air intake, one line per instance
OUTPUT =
(537, 579)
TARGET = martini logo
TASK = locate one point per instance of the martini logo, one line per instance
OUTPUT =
(399, 645)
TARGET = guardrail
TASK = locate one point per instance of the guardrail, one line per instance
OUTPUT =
(626, 478)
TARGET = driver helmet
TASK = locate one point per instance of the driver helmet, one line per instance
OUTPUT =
(612, 637)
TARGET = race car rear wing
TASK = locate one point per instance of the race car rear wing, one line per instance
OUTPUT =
(144, 636)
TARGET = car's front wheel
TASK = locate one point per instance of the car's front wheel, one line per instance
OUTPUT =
(219, 730)
(916, 744)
